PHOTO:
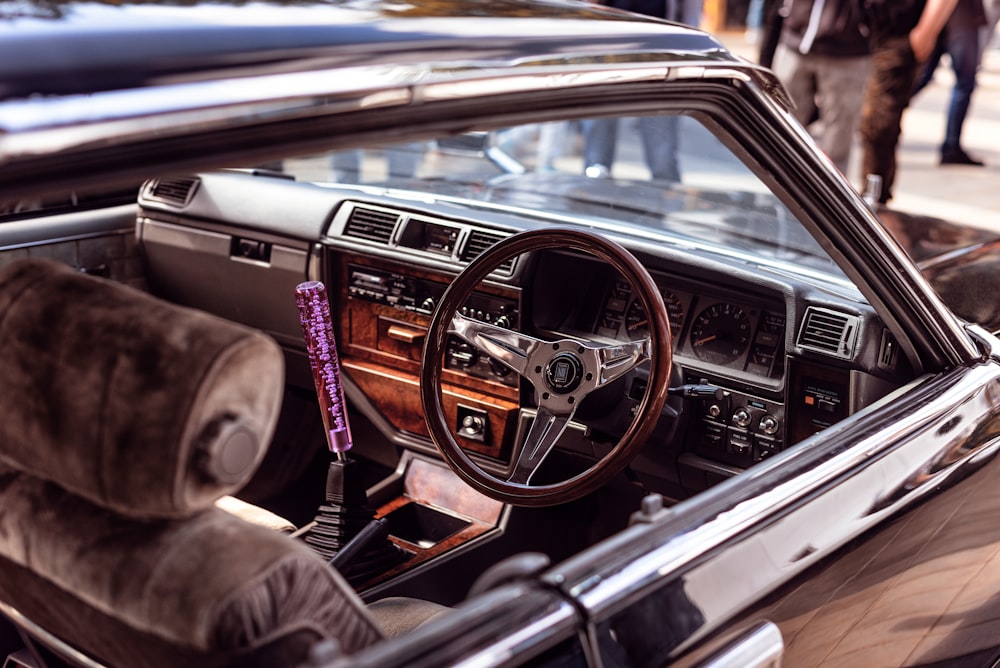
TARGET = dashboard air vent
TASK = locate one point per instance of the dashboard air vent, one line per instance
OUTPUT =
(478, 242)
(371, 224)
(176, 191)
(829, 332)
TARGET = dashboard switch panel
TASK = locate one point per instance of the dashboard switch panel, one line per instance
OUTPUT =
(739, 430)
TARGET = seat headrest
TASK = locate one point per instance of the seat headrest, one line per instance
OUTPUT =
(136, 404)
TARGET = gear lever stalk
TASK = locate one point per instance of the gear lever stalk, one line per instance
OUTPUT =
(346, 515)
(317, 328)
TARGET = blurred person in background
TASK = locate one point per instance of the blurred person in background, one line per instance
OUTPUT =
(961, 40)
(823, 58)
(987, 33)
(768, 29)
(658, 133)
(904, 34)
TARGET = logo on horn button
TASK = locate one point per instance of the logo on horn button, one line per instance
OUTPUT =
(563, 373)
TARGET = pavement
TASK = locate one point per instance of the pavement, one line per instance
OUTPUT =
(960, 194)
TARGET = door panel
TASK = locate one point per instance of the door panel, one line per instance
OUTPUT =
(98, 241)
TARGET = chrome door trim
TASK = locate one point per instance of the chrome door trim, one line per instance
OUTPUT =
(788, 515)
(761, 647)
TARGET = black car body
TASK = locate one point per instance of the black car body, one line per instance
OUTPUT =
(815, 485)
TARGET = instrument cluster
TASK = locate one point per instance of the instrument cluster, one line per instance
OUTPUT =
(722, 330)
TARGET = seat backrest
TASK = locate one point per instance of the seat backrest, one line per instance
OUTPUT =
(122, 419)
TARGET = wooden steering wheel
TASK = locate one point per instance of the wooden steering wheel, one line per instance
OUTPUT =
(563, 372)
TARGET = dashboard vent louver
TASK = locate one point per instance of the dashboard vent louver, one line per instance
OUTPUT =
(829, 332)
(177, 190)
(371, 224)
(478, 242)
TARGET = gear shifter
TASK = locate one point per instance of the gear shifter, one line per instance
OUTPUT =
(346, 511)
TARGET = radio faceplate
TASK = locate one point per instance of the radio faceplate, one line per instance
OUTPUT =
(393, 289)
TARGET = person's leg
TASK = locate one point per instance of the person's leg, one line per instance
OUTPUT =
(599, 138)
(963, 48)
(987, 32)
(894, 70)
(755, 14)
(346, 165)
(552, 138)
(691, 11)
(840, 101)
(797, 74)
(770, 31)
(402, 160)
(659, 143)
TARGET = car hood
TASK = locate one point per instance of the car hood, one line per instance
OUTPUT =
(962, 263)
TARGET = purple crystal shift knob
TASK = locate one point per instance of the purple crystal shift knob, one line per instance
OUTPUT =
(317, 328)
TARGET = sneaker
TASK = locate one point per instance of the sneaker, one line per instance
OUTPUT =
(957, 156)
(597, 171)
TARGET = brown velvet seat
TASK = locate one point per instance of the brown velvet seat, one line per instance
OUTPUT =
(122, 420)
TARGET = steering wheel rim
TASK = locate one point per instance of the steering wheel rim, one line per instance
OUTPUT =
(647, 413)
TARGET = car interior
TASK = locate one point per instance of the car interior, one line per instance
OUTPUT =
(445, 264)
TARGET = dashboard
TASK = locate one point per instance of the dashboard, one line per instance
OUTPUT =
(784, 357)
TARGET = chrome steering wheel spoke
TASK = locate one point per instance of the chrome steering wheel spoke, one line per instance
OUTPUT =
(512, 349)
(545, 430)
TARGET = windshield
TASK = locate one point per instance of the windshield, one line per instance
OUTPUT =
(666, 177)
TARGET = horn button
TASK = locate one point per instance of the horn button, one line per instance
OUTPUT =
(563, 373)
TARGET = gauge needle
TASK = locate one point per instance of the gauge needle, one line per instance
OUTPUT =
(641, 323)
(701, 342)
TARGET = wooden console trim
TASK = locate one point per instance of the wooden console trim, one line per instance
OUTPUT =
(381, 349)
(436, 486)
(396, 394)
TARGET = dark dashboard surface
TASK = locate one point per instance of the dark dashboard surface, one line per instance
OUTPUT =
(788, 355)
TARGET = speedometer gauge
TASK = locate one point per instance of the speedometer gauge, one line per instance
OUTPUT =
(637, 323)
(720, 334)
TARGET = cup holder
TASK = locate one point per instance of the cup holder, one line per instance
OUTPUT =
(422, 525)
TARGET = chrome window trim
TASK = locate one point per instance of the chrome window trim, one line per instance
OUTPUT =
(761, 647)
(29, 126)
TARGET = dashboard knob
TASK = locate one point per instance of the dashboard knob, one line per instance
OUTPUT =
(473, 426)
(428, 305)
(769, 425)
(741, 418)
(463, 355)
(502, 321)
(498, 368)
